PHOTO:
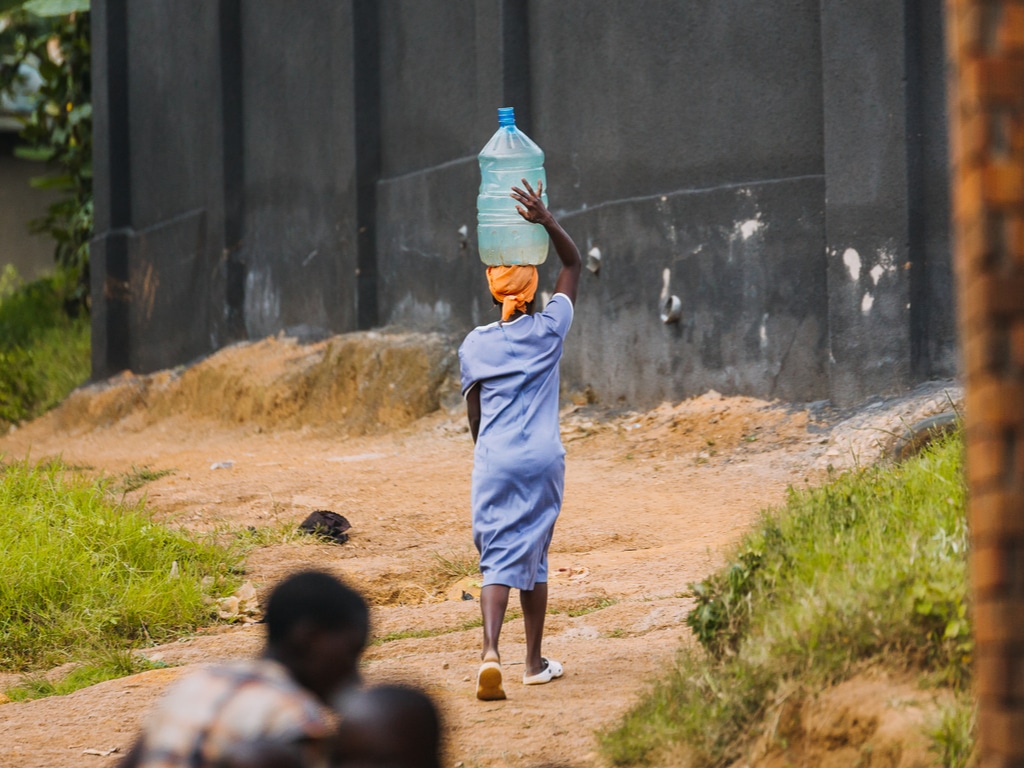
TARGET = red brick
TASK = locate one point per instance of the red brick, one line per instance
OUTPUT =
(1017, 343)
(995, 293)
(999, 672)
(968, 199)
(1011, 30)
(997, 568)
(985, 351)
(1004, 183)
(1001, 729)
(993, 403)
(996, 514)
(970, 142)
(986, 466)
(999, 81)
(999, 621)
(1014, 237)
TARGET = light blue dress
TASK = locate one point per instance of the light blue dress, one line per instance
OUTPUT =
(519, 461)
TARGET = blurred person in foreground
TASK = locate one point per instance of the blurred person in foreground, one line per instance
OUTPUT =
(388, 726)
(268, 712)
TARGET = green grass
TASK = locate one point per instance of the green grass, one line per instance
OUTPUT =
(870, 567)
(271, 535)
(44, 353)
(952, 736)
(79, 572)
(585, 607)
(456, 566)
(140, 476)
(102, 666)
(475, 623)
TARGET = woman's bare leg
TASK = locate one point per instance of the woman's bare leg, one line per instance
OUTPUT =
(535, 608)
(493, 603)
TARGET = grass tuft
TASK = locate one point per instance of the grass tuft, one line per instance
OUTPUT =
(100, 667)
(44, 352)
(140, 476)
(583, 607)
(270, 535)
(456, 566)
(952, 736)
(474, 623)
(76, 568)
(870, 566)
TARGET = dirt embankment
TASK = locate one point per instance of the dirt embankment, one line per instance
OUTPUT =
(361, 425)
(356, 383)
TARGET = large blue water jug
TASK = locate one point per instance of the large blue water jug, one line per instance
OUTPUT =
(503, 235)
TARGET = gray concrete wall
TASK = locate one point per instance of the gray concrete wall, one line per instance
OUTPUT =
(30, 254)
(319, 170)
(299, 224)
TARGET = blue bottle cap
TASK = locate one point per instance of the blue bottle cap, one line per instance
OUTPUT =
(506, 116)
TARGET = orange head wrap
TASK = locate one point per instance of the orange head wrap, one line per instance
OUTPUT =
(513, 286)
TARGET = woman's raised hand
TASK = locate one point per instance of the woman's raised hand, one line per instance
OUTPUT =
(532, 208)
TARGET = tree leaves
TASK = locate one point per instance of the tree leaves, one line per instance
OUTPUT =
(58, 128)
(54, 7)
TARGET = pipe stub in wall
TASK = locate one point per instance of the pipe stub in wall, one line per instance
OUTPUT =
(594, 260)
(671, 310)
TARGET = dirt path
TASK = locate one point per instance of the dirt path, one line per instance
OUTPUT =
(652, 503)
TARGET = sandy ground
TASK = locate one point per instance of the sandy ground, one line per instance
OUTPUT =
(653, 502)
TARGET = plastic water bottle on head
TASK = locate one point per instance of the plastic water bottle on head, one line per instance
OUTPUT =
(503, 235)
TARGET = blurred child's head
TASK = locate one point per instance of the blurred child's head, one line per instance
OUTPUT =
(388, 726)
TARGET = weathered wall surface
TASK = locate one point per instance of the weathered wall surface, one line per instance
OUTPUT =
(31, 255)
(779, 167)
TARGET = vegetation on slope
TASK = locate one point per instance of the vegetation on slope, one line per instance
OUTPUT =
(81, 575)
(871, 566)
(44, 351)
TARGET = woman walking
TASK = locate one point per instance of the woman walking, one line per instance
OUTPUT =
(510, 382)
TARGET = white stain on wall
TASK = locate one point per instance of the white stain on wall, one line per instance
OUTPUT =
(876, 273)
(852, 261)
(262, 300)
(763, 331)
(887, 258)
(750, 227)
(867, 302)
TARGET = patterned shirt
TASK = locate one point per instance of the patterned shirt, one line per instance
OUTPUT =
(216, 707)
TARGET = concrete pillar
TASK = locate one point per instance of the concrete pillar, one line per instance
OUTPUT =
(866, 197)
(108, 253)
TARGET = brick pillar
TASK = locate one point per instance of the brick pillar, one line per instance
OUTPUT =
(986, 42)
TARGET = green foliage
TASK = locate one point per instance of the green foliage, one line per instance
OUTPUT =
(56, 7)
(139, 476)
(707, 708)
(474, 623)
(59, 128)
(101, 666)
(44, 352)
(952, 737)
(78, 571)
(870, 566)
(267, 536)
(590, 606)
(723, 604)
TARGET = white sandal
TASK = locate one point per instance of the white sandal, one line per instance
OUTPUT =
(552, 670)
(488, 682)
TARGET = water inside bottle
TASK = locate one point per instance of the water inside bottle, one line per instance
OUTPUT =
(503, 235)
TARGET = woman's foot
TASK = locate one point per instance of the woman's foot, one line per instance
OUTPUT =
(488, 682)
(549, 671)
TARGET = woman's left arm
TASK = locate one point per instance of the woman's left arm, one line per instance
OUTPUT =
(473, 410)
